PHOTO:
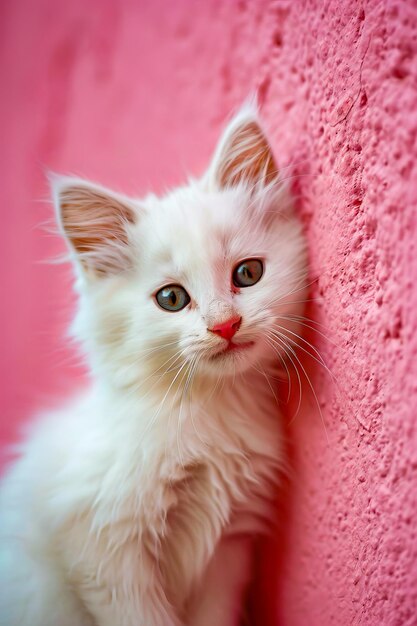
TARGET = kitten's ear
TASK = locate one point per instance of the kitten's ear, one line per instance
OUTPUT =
(95, 223)
(243, 154)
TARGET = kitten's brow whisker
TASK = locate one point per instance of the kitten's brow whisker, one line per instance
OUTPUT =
(294, 276)
(256, 215)
(293, 164)
(296, 176)
(303, 301)
(255, 199)
(301, 288)
(306, 286)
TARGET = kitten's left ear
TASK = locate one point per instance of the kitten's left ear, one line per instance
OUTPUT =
(243, 154)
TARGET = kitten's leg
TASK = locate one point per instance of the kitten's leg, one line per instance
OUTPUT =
(220, 595)
(33, 593)
(122, 587)
(124, 609)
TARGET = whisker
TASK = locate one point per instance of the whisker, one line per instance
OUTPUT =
(272, 341)
(136, 388)
(300, 338)
(134, 363)
(311, 387)
(174, 358)
(319, 361)
(198, 359)
(157, 413)
(262, 371)
(303, 318)
(179, 416)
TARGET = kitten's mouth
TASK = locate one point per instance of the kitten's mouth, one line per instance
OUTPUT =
(233, 347)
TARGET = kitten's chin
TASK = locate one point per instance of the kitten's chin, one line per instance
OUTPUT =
(232, 359)
(232, 348)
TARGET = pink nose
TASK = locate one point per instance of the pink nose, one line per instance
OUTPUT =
(227, 329)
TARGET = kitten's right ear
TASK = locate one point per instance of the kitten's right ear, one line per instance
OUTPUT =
(96, 223)
(243, 154)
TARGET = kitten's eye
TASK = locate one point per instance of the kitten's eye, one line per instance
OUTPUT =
(248, 273)
(172, 298)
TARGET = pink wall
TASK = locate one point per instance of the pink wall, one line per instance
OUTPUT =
(133, 94)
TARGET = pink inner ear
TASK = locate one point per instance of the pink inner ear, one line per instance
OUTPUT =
(94, 224)
(247, 157)
(91, 219)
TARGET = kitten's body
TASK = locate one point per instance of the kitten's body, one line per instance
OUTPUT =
(136, 505)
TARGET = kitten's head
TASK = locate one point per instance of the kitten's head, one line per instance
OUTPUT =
(205, 281)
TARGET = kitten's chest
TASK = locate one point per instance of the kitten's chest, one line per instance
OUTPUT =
(215, 457)
(223, 488)
(188, 491)
(223, 463)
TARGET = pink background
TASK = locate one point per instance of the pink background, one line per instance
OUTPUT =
(133, 94)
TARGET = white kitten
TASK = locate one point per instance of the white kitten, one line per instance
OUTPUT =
(137, 504)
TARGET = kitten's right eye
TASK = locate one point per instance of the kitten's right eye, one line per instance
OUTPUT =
(172, 298)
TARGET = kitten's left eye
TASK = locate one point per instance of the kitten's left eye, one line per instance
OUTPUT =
(172, 298)
(247, 273)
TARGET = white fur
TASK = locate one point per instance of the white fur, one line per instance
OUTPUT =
(136, 504)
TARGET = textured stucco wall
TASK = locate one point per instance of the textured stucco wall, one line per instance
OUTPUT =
(133, 94)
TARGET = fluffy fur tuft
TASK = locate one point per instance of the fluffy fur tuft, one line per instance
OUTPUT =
(137, 504)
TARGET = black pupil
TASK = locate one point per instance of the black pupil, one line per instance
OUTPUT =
(246, 272)
(172, 297)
